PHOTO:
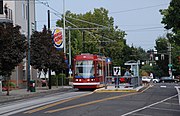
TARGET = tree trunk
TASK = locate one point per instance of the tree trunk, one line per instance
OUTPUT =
(7, 87)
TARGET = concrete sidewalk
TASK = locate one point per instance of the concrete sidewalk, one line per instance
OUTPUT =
(18, 94)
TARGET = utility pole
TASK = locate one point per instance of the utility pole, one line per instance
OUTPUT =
(170, 60)
(64, 21)
(83, 45)
(69, 47)
(49, 83)
(28, 25)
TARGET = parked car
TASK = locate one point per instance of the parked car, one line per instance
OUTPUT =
(44, 82)
(168, 79)
(156, 80)
(146, 79)
(178, 78)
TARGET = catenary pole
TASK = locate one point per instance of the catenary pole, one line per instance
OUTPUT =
(64, 25)
(28, 37)
(49, 71)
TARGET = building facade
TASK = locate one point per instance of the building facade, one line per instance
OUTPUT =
(16, 12)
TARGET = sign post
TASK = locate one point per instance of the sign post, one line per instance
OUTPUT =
(117, 72)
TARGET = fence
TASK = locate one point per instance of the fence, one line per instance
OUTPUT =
(8, 16)
(126, 81)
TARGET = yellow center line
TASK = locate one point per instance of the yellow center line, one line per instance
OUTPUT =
(53, 104)
(96, 101)
(89, 103)
(78, 105)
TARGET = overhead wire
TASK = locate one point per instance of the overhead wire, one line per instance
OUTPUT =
(148, 28)
(85, 30)
(57, 13)
(137, 9)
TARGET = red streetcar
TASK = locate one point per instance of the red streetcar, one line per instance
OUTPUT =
(90, 70)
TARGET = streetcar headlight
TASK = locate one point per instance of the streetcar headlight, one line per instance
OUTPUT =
(79, 79)
(88, 79)
(76, 80)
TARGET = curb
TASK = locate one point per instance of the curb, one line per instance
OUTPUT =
(122, 90)
(34, 94)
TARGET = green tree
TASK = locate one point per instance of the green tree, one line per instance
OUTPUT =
(107, 40)
(171, 20)
(147, 69)
(12, 49)
(43, 53)
(162, 54)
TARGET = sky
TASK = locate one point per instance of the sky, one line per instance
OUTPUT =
(140, 19)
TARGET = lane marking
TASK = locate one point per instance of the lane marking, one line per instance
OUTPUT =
(78, 105)
(149, 106)
(164, 109)
(89, 103)
(54, 104)
(177, 88)
(163, 86)
(171, 103)
(136, 114)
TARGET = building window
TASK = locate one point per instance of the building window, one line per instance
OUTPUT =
(23, 11)
(1, 6)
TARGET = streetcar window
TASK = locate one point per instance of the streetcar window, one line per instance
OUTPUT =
(99, 68)
(84, 69)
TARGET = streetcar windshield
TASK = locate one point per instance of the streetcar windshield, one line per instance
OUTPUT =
(84, 69)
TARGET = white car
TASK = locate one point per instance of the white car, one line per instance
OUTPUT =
(156, 80)
(146, 79)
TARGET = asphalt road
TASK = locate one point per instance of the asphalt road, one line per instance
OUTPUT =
(158, 100)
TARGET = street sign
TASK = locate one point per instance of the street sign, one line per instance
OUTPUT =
(117, 70)
(70, 71)
(169, 65)
(108, 60)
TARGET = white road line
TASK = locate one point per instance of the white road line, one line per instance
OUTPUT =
(171, 103)
(136, 114)
(177, 88)
(165, 109)
(149, 106)
(163, 86)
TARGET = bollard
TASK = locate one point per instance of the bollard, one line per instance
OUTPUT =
(177, 88)
(0, 86)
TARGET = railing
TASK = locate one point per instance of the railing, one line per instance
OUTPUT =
(6, 17)
(126, 81)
